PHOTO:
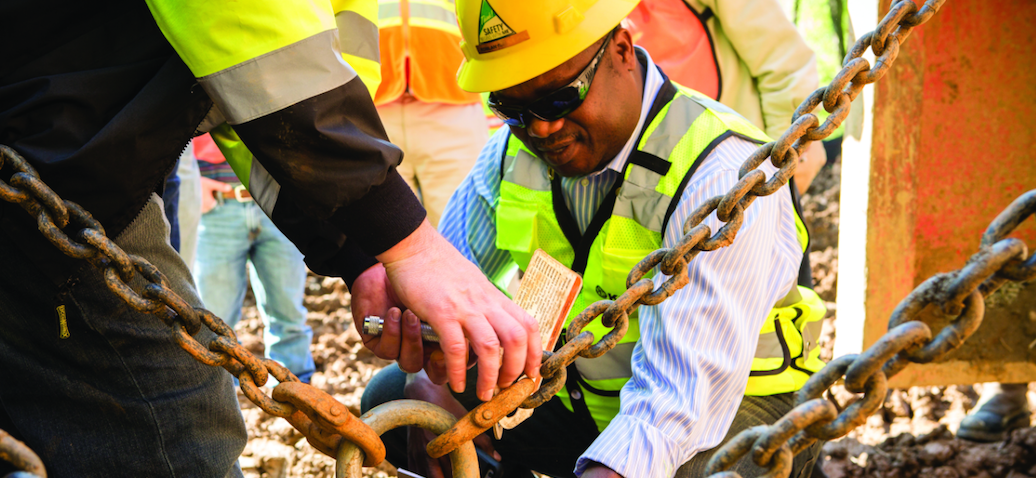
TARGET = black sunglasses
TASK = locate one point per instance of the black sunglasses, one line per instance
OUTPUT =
(554, 105)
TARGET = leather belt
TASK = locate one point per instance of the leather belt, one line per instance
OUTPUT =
(240, 195)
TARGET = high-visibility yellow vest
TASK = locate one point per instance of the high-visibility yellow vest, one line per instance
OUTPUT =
(420, 52)
(674, 142)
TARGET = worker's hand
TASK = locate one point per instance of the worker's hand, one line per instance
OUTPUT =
(419, 387)
(401, 336)
(448, 292)
(435, 367)
(208, 201)
(417, 459)
(809, 166)
(598, 470)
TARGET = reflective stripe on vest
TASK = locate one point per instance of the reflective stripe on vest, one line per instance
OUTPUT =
(421, 35)
(526, 221)
(424, 13)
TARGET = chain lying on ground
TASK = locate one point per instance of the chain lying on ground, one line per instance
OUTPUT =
(19, 455)
(327, 424)
(836, 98)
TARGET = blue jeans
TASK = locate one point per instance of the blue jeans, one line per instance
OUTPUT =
(235, 239)
(107, 391)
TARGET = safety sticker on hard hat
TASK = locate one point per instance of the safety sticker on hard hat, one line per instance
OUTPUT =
(493, 33)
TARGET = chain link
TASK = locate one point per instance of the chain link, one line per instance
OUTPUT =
(16, 453)
(398, 413)
(961, 293)
(328, 425)
(783, 153)
(323, 420)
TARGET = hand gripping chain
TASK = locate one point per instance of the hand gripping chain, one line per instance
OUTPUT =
(330, 428)
(324, 421)
(783, 153)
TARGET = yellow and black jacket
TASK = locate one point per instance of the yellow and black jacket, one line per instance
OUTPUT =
(101, 97)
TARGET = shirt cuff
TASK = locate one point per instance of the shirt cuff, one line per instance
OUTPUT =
(634, 448)
(387, 214)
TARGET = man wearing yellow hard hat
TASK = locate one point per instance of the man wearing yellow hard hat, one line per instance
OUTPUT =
(604, 162)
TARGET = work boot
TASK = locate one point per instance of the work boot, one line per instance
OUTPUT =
(1002, 408)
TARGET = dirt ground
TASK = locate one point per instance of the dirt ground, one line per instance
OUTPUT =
(912, 436)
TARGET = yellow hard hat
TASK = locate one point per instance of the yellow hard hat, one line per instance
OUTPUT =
(508, 42)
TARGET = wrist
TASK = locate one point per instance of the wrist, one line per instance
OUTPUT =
(417, 243)
(370, 270)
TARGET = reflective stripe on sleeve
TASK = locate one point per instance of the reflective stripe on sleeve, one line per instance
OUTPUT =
(279, 79)
(263, 188)
(359, 36)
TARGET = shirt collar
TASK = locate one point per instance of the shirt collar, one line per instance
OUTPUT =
(652, 84)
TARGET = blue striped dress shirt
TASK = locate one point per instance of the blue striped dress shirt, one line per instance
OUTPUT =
(691, 365)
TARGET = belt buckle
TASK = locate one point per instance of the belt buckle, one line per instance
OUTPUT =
(239, 192)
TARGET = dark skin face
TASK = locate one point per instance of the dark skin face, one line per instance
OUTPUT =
(589, 137)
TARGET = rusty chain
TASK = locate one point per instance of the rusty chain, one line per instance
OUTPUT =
(783, 153)
(16, 453)
(324, 421)
(331, 428)
(960, 294)
(399, 413)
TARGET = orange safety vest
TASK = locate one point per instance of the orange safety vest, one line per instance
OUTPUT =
(420, 52)
(679, 42)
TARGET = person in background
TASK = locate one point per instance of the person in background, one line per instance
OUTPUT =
(602, 163)
(439, 127)
(827, 29)
(1001, 408)
(742, 53)
(238, 246)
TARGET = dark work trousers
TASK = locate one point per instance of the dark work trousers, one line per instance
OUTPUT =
(552, 440)
(107, 391)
